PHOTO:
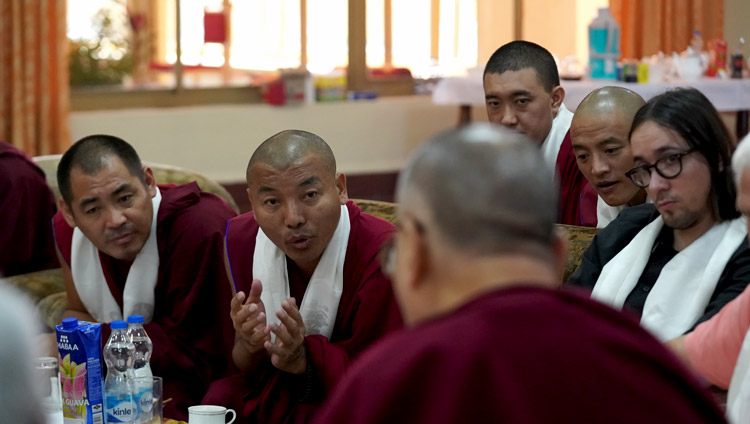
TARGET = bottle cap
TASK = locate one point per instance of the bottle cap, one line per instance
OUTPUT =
(70, 323)
(135, 319)
(118, 325)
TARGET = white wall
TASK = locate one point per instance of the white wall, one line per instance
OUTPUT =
(373, 136)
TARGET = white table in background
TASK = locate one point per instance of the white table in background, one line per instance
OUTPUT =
(726, 95)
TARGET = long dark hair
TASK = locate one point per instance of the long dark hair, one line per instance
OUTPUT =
(691, 115)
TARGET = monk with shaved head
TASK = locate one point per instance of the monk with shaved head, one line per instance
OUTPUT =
(490, 338)
(599, 133)
(310, 294)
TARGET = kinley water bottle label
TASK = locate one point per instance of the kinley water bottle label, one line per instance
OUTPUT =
(120, 411)
(145, 400)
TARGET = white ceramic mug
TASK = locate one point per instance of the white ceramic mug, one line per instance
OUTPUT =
(209, 414)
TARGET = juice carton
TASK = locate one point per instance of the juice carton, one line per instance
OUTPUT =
(79, 346)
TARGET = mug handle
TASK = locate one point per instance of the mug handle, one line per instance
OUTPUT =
(234, 415)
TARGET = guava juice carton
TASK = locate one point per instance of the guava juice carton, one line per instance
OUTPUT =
(79, 345)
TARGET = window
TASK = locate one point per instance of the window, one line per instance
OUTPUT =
(265, 35)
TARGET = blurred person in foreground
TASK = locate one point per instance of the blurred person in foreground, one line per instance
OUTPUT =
(491, 338)
(19, 400)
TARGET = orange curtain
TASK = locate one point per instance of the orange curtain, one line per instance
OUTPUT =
(34, 91)
(650, 26)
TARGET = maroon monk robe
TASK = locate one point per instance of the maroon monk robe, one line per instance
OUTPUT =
(26, 210)
(367, 311)
(521, 355)
(577, 202)
(191, 329)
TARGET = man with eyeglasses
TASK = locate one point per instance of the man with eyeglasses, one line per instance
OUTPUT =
(491, 338)
(599, 133)
(676, 262)
(719, 349)
(310, 294)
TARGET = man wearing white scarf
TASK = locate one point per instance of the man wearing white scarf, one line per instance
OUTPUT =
(128, 246)
(310, 292)
(523, 93)
(719, 349)
(676, 262)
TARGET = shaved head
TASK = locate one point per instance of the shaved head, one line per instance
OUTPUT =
(485, 188)
(607, 100)
(599, 137)
(288, 147)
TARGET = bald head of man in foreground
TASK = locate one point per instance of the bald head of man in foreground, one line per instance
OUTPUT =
(491, 338)
(599, 133)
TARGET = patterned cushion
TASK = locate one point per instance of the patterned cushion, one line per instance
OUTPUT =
(37, 285)
(47, 290)
(579, 239)
(383, 210)
(52, 307)
(164, 174)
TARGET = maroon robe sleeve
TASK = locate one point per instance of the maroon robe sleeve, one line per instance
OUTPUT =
(576, 206)
(26, 210)
(191, 331)
(371, 314)
(367, 311)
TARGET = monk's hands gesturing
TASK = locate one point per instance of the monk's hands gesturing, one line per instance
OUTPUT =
(288, 351)
(249, 319)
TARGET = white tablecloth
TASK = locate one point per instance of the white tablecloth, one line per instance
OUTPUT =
(726, 95)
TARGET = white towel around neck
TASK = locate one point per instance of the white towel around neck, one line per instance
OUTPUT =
(321, 300)
(685, 284)
(605, 213)
(738, 399)
(551, 146)
(91, 285)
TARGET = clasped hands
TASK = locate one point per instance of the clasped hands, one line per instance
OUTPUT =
(248, 314)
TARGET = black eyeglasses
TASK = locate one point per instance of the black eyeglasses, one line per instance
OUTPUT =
(668, 167)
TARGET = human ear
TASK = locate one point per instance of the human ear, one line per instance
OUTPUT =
(66, 212)
(558, 95)
(341, 188)
(149, 181)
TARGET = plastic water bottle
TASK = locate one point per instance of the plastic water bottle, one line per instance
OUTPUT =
(118, 388)
(143, 389)
(604, 45)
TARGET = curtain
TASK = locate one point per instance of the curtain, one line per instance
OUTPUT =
(34, 90)
(142, 23)
(650, 26)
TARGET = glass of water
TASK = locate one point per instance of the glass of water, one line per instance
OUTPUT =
(47, 380)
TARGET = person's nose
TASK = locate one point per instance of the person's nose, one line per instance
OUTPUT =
(509, 118)
(115, 217)
(599, 166)
(293, 215)
(656, 184)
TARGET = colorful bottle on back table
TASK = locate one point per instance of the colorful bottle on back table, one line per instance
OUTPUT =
(143, 388)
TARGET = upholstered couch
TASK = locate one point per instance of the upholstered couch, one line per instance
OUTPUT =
(164, 174)
(47, 290)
